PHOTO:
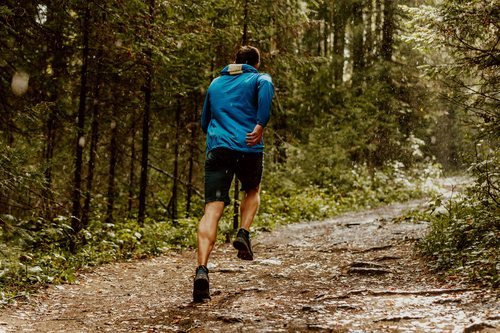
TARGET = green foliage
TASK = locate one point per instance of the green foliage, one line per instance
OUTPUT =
(460, 41)
(18, 176)
(464, 239)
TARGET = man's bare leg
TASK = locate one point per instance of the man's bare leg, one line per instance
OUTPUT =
(249, 206)
(207, 230)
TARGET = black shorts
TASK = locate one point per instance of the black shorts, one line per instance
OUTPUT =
(220, 167)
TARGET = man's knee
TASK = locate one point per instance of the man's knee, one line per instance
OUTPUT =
(214, 210)
(253, 191)
(252, 196)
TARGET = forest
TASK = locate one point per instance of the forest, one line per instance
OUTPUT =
(102, 153)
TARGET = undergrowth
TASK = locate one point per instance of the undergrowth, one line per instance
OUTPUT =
(35, 252)
(464, 237)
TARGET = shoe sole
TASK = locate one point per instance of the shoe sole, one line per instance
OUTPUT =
(201, 292)
(243, 250)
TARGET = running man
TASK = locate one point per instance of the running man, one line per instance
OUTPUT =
(236, 111)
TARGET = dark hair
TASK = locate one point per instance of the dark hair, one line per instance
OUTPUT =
(248, 55)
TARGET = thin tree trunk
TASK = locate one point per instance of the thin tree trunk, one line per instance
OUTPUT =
(57, 65)
(357, 51)
(378, 27)
(192, 144)
(388, 30)
(339, 41)
(236, 205)
(146, 122)
(176, 161)
(48, 155)
(94, 138)
(318, 23)
(113, 155)
(369, 32)
(80, 141)
(131, 183)
(326, 31)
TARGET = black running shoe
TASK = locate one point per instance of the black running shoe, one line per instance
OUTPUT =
(201, 290)
(243, 245)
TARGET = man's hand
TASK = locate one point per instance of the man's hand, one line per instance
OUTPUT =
(255, 137)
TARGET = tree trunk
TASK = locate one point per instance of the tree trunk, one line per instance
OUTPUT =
(357, 52)
(80, 141)
(113, 155)
(94, 138)
(388, 30)
(176, 161)
(192, 145)
(340, 20)
(326, 30)
(318, 51)
(236, 205)
(369, 32)
(146, 121)
(131, 183)
(48, 155)
(58, 65)
(378, 26)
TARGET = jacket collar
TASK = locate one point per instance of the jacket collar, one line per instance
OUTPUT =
(236, 69)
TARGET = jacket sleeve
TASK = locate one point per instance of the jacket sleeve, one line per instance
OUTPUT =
(206, 114)
(265, 89)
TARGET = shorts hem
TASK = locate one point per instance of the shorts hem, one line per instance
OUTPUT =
(226, 203)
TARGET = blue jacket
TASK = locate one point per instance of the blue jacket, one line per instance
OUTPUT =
(235, 103)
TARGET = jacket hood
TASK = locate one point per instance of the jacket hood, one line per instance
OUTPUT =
(235, 69)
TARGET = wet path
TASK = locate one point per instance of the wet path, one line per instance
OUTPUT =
(354, 273)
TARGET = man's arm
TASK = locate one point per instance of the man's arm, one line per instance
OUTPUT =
(266, 92)
(206, 114)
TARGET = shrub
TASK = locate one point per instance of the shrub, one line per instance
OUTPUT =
(464, 239)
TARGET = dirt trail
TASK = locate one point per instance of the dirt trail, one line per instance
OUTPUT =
(354, 273)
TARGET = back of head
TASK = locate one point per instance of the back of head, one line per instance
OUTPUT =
(248, 55)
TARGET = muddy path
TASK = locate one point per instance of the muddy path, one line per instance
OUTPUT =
(354, 273)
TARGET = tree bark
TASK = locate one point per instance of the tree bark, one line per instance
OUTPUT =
(131, 182)
(192, 144)
(176, 161)
(94, 138)
(369, 32)
(357, 51)
(318, 51)
(146, 121)
(388, 30)
(326, 30)
(340, 19)
(113, 155)
(378, 26)
(57, 49)
(80, 140)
